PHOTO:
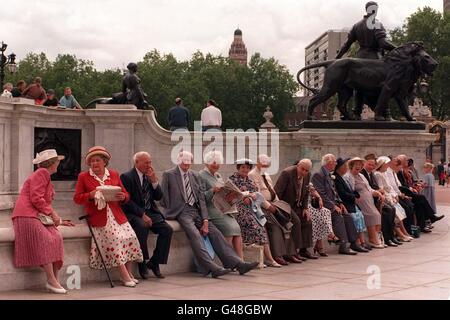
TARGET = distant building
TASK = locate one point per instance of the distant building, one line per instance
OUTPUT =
(447, 5)
(323, 48)
(238, 51)
(292, 120)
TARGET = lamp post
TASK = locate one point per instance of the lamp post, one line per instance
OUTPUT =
(9, 61)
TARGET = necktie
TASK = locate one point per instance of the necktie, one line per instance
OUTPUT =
(273, 195)
(189, 194)
(146, 193)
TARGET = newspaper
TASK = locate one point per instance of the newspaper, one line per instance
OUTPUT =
(229, 194)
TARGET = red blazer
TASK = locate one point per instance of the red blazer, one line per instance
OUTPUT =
(85, 184)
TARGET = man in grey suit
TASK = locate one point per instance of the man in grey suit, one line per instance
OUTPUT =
(343, 225)
(184, 202)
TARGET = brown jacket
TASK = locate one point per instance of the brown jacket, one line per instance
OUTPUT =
(287, 189)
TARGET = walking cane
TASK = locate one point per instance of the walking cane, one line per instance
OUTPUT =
(86, 217)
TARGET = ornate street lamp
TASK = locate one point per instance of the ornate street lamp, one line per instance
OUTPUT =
(9, 61)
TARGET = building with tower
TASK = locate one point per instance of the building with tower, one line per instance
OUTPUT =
(238, 51)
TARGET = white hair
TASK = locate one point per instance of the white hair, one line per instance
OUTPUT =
(305, 163)
(213, 157)
(185, 157)
(264, 159)
(140, 154)
(328, 158)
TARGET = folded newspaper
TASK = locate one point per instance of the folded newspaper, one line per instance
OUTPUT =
(228, 196)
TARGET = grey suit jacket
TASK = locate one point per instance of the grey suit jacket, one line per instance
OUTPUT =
(173, 193)
(324, 185)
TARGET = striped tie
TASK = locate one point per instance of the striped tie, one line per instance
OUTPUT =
(146, 193)
(189, 193)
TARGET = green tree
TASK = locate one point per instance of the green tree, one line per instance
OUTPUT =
(433, 29)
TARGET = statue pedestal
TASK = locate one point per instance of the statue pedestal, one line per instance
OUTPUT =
(316, 142)
(99, 106)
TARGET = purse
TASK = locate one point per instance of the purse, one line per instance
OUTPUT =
(45, 219)
(315, 203)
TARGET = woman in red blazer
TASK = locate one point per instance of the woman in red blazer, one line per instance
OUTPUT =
(115, 236)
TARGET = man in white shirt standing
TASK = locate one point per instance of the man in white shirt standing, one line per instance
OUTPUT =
(211, 116)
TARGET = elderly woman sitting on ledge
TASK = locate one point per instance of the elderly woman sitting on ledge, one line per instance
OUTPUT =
(115, 236)
(38, 242)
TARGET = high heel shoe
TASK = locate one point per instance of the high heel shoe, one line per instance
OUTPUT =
(52, 289)
(321, 252)
(130, 284)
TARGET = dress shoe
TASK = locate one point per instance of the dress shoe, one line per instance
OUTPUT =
(425, 230)
(52, 289)
(306, 254)
(358, 248)
(321, 252)
(292, 259)
(390, 243)
(245, 267)
(347, 251)
(273, 264)
(155, 269)
(143, 270)
(397, 242)
(281, 261)
(129, 284)
(436, 218)
(299, 257)
(367, 246)
(220, 272)
(376, 245)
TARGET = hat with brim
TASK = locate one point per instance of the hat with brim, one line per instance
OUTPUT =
(355, 159)
(340, 162)
(47, 155)
(245, 161)
(381, 161)
(97, 151)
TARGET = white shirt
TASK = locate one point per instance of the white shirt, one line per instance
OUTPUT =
(7, 94)
(393, 181)
(211, 116)
(141, 179)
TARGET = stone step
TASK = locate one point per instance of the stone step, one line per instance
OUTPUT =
(77, 243)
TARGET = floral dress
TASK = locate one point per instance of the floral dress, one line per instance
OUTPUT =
(252, 231)
(118, 242)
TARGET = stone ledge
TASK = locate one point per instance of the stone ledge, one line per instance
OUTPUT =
(363, 125)
(77, 232)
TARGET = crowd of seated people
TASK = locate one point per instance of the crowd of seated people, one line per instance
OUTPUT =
(360, 204)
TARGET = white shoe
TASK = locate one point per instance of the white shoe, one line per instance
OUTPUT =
(135, 280)
(52, 289)
(130, 284)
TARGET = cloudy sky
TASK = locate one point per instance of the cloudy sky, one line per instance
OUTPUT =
(112, 33)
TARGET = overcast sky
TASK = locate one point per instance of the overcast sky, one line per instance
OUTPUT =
(112, 33)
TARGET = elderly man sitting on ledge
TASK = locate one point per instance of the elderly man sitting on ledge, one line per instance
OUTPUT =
(185, 203)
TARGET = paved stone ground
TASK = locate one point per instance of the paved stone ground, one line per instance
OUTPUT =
(416, 270)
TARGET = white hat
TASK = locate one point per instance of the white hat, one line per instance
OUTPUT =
(46, 155)
(382, 161)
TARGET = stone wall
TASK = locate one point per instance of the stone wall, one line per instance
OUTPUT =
(124, 132)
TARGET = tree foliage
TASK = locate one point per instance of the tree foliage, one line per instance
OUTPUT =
(433, 29)
(242, 92)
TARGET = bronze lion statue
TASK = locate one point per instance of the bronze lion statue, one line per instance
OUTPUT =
(378, 81)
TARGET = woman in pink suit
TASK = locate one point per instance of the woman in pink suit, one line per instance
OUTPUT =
(38, 244)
